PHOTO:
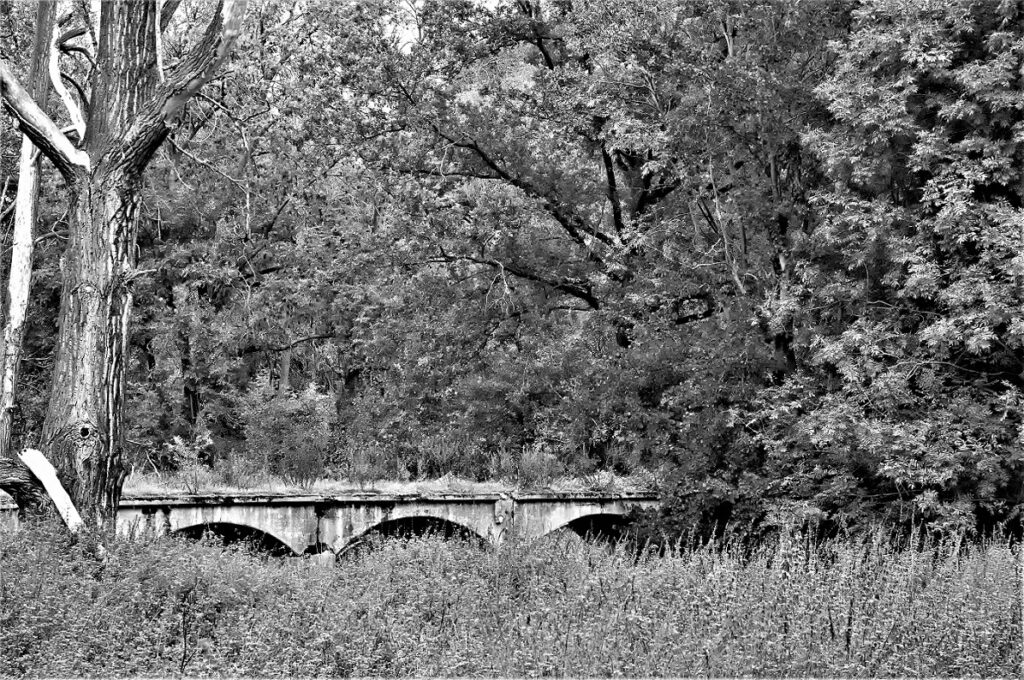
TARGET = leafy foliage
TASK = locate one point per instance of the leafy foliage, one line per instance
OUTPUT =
(770, 251)
(292, 431)
(911, 389)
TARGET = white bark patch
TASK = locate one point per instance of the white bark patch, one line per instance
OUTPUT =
(21, 273)
(35, 461)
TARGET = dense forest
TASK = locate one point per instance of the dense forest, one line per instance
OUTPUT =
(766, 253)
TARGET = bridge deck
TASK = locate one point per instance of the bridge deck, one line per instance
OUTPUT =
(140, 500)
(320, 522)
(257, 496)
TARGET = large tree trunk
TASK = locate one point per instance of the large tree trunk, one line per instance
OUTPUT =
(82, 430)
(132, 110)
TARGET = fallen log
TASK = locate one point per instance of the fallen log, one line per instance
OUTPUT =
(35, 461)
(31, 481)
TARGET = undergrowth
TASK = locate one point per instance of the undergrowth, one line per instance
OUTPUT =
(558, 607)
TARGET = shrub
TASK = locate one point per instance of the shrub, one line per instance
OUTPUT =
(289, 433)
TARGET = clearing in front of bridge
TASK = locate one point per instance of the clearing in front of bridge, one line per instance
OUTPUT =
(560, 607)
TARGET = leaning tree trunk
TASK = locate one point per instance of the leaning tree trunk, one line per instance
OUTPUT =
(25, 209)
(82, 429)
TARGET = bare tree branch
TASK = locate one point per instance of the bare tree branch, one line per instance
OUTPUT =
(66, 36)
(74, 112)
(167, 12)
(69, 49)
(207, 164)
(611, 188)
(156, 119)
(39, 127)
(159, 48)
(580, 290)
(78, 88)
(575, 225)
(199, 67)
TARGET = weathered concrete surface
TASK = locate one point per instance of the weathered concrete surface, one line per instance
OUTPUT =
(487, 516)
(540, 514)
(315, 523)
(291, 521)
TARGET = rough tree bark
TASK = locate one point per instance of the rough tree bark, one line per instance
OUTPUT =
(132, 110)
(18, 481)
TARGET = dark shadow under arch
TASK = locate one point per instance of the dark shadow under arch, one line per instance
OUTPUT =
(257, 541)
(407, 528)
(602, 527)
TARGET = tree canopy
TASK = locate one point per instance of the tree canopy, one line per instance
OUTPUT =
(768, 252)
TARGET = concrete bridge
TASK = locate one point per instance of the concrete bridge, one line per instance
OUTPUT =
(316, 524)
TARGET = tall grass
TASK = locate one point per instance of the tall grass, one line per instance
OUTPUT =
(558, 607)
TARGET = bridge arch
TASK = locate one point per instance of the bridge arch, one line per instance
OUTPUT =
(346, 525)
(539, 516)
(413, 525)
(235, 532)
(602, 525)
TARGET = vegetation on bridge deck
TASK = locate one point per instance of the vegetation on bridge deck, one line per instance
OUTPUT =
(205, 481)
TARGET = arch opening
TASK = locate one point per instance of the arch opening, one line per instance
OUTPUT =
(607, 528)
(254, 540)
(405, 529)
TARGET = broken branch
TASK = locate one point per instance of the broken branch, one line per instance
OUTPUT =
(39, 127)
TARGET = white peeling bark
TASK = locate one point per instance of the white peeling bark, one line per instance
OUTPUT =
(94, 24)
(159, 43)
(18, 285)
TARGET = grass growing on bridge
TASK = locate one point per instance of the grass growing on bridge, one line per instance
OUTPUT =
(208, 481)
(558, 607)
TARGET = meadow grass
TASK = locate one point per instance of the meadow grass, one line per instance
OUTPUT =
(558, 607)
